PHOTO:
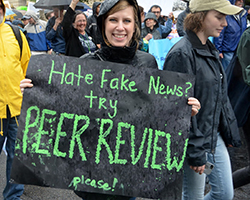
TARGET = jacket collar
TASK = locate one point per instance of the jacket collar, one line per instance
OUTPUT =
(200, 48)
(117, 54)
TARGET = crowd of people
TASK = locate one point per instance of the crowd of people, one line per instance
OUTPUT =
(119, 31)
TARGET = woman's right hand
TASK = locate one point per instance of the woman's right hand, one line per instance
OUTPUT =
(25, 83)
(198, 169)
(73, 4)
(149, 36)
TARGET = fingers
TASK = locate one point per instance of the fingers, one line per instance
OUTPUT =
(25, 83)
(198, 169)
(196, 106)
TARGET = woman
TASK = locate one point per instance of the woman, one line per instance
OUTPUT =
(215, 127)
(150, 30)
(77, 40)
(119, 23)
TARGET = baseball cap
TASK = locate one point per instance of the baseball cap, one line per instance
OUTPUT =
(26, 17)
(222, 6)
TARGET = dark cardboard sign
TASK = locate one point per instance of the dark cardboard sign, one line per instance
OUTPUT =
(103, 127)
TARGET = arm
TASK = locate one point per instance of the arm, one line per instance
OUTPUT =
(196, 156)
(179, 25)
(165, 30)
(243, 55)
(50, 31)
(67, 23)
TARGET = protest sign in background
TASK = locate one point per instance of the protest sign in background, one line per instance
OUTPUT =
(160, 48)
(103, 127)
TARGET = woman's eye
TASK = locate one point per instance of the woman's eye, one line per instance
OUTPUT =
(127, 20)
(112, 20)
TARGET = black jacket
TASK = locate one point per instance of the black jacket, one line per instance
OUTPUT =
(180, 22)
(71, 35)
(92, 28)
(127, 55)
(216, 114)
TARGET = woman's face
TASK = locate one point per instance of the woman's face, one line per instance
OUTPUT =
(214, 23)
(80, 23)
(119, 27)
(150, 23)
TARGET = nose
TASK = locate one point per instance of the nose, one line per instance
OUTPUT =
(120, 25)
(224, 23)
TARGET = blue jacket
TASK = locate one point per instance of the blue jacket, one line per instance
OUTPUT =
(55, 37)
(230, 35)
(36, 36)
(165, 30)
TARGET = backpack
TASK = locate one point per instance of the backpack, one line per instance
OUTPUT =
(18, 36)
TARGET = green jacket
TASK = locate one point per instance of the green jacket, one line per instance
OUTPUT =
(243, 51)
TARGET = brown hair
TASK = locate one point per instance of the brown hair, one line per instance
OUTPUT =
(121, 5)
(141, 9)
(194, 21)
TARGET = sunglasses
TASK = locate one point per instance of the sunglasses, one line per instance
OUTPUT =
(156, 12)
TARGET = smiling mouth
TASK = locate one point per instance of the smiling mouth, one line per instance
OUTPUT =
(119, 36)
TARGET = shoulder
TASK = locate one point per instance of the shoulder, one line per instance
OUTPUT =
(145, 59)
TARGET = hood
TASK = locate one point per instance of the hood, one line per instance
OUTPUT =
(4, 9)
(107, 5)
(95, 4)
(154, 6)
(32, 14)
(151, 15)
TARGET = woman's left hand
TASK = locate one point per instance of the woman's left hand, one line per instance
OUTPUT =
(25, 83)
(196, 106)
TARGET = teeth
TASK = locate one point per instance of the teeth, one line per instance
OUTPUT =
(119, 36)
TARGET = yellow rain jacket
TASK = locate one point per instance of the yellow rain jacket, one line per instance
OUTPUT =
(12, 70)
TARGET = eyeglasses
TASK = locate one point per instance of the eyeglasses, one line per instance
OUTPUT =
(156, 12)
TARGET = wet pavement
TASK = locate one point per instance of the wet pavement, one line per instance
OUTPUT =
(239, 159)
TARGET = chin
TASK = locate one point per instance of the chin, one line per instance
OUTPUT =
(118, 45)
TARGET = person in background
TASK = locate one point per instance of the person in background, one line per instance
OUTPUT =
(142, 13)
(91, 27)
(149, 30)
(215, 126)
(164, 28)
(173, 33)
(20, 25)
(25, 20)
(230, 35)
(179, 25)
(49, 14)
(36, 34)
(77, 40)
(42, 15)
(119, 23)
(54, 32)
(239, 95)
(13, 69)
